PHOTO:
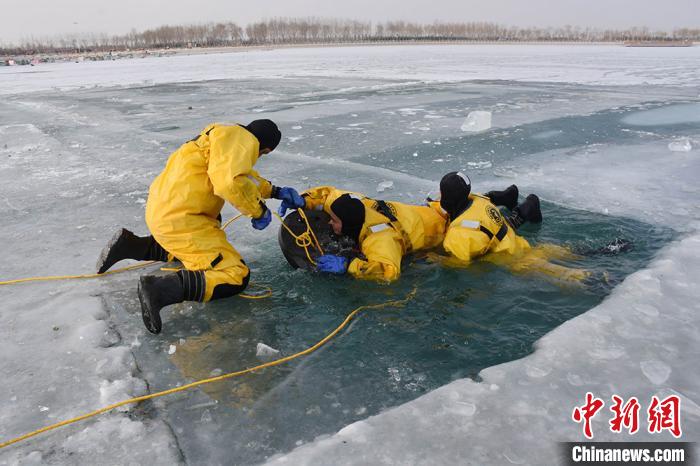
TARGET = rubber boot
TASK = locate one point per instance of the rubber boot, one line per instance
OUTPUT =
(507, 198)
(156, 292)
(528, 211)
(126, 245)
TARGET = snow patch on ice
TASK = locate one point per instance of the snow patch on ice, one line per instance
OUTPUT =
(656, 371)
(384, 185)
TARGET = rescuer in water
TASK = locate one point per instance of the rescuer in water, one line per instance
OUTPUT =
(477, 228)
(384, 232)
(183, 214)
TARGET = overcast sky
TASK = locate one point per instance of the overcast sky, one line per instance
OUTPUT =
(42, 18)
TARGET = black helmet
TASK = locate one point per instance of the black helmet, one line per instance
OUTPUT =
(350, 211)
(454, 193)
(267, 133)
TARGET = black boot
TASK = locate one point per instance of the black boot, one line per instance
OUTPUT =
(156, 292)
(507, 198)
(126, 245)
(528, 211)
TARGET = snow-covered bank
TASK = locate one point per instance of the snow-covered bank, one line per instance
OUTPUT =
(642, 341)
(595, 64)
(62, 357)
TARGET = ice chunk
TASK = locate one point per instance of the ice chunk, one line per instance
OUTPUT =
(172, 349)
(477, 121)
(681, 145)
(384, 185)
(479, 165)
(265, 352)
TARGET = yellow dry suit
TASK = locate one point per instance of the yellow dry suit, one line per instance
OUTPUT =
(481, 230)
(185, 200)
(391, 230)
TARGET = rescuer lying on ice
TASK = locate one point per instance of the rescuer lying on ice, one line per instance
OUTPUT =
(476, 228)
(384, 232)
(183, 214)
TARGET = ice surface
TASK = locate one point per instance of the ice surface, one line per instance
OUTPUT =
(76, 158)
(585, 64)
(670, 115)
(477, 121)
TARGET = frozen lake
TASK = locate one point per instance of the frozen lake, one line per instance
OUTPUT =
(595, 130)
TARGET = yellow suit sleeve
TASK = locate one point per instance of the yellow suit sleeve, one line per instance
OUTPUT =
(465, 244)
(315, 198)
(383, 252)
(264, 186)
(231, 159)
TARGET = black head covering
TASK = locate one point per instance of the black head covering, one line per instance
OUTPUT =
(454, 193)
(351, 212)
(267, 133)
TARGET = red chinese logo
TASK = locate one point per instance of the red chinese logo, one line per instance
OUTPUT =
(625, 416)
(662, 414)
(665, 415)
(586, 412)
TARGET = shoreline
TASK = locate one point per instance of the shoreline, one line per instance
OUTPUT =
(52, 57)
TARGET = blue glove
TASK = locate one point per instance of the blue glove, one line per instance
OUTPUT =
(332, 264)
(290, 200)
(263, 221)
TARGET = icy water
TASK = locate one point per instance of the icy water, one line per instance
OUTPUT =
(353, 134)
(460, 322)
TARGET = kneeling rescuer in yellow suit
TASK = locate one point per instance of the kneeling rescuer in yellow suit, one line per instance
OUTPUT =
(183, 214)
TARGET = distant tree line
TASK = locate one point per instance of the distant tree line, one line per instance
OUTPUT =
(280, 31)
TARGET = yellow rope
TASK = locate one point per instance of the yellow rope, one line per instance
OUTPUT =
(304, 240)
(276, 362)
(265, 292)
(69, 277)
(230, 221)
